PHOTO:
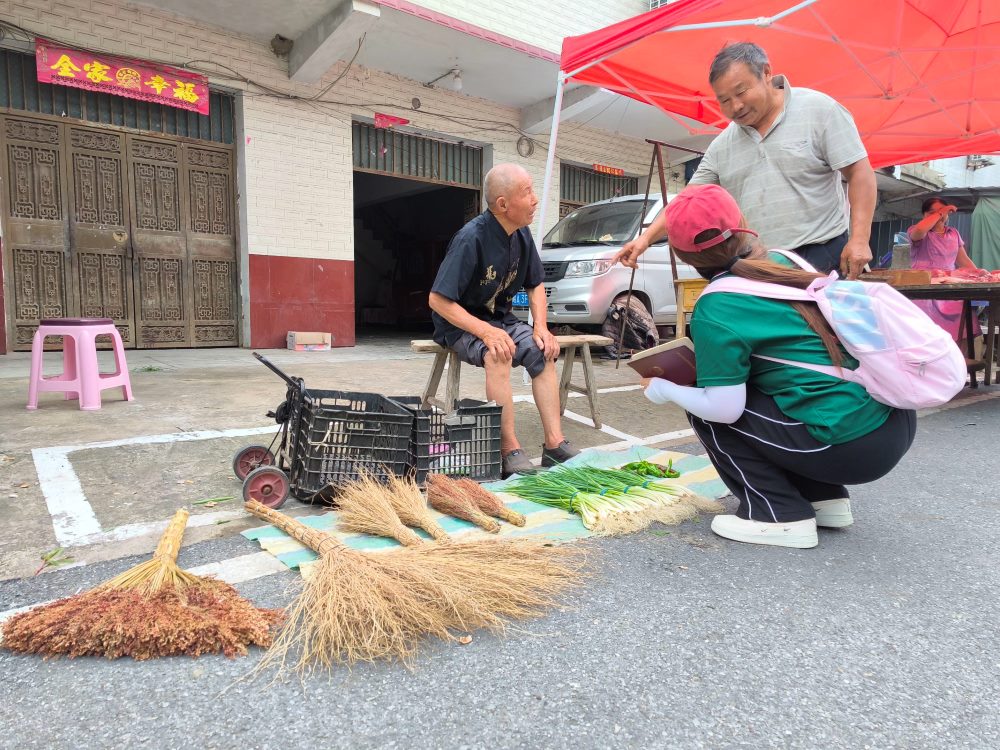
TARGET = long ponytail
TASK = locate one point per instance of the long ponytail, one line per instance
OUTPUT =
(742, 256)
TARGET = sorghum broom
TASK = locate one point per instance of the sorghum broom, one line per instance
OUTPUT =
(364, 507)
(487, 502)
(363, 607)
(153, 609)
(411, 507)
(443, 497)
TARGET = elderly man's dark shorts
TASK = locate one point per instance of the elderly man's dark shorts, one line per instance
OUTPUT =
(472, 350)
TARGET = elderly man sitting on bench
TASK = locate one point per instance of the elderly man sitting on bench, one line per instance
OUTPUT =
(488, 261)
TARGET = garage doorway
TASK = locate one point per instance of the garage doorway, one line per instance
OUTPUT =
(411, 194)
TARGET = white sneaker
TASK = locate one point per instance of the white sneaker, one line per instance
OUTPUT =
(834, 514)
(798, 534)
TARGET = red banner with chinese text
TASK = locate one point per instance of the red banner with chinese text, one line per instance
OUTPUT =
(387, 121)
(122, 77)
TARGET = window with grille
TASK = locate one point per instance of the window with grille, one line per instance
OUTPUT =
(579, 186)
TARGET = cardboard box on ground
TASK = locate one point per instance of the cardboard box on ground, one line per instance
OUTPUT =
(309, 341)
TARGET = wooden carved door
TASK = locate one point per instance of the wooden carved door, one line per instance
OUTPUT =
(159, 244)
(36, 245)
(103, 223)
(100, 257)
(211, 242)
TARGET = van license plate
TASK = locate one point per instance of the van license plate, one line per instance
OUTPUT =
(521, 299)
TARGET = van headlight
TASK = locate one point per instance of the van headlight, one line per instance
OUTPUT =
(589, 267)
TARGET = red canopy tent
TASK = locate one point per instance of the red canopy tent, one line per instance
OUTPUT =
(919, 76)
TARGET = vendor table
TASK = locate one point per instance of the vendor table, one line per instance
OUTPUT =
(967, 293)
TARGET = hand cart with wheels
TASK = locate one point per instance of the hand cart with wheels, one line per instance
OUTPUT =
(326, 438)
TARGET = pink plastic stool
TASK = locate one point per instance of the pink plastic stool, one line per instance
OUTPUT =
(81, 377)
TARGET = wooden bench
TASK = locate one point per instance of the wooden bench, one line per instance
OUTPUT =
(573, 347)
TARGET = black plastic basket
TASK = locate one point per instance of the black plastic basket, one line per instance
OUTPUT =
(465, 443)
(334, 435)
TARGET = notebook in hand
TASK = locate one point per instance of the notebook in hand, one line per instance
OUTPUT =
(673, 361)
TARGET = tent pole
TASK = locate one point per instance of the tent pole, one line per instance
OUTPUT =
(550, 160)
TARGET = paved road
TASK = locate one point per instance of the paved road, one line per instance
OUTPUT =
(882, 637)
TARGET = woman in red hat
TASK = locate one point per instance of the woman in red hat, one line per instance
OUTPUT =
(785, 440)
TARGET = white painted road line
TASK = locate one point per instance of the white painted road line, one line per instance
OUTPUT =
(73, 519)
(130, 530)
(614, 389)
(604, 428)
(652, 439)
(242, 568)
(170, 437)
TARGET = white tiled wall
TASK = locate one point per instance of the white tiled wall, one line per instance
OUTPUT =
(550, 20)
(957, 175)
(298, 190)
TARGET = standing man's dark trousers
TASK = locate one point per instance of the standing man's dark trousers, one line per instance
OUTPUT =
(825, 256)
(776, 468)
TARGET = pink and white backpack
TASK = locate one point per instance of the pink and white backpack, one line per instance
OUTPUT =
(905, 359)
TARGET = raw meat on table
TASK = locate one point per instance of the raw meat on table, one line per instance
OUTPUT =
(964, 276)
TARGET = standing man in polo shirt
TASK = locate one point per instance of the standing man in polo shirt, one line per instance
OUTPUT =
(782, 157)
(488, 261)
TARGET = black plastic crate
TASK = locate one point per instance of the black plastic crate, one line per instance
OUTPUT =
(333, 435)
(465, 443)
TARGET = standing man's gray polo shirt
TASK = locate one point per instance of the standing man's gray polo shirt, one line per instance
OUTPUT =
(786, 181)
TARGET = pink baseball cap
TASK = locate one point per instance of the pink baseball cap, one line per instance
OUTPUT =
(700, 207)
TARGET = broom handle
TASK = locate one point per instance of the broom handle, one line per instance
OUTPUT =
(317, 541)
(170, 542)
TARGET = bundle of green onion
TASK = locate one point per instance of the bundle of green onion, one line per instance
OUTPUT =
(612, 501)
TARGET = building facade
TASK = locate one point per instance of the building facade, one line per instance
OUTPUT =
(287, 207)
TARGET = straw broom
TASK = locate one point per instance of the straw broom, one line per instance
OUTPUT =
(487, 502)
(364, 607)
(352, 607)
(443, 497)
(364, 507)
(504, 590)
(410, 506)
(153, 609)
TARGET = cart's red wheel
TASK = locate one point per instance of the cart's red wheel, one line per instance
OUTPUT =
(249, 458)
(267, 485)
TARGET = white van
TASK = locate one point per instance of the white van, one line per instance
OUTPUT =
(581, 280)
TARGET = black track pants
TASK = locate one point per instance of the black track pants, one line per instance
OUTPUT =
(775, 468)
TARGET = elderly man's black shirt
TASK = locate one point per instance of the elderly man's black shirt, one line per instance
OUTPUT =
(482, 271)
